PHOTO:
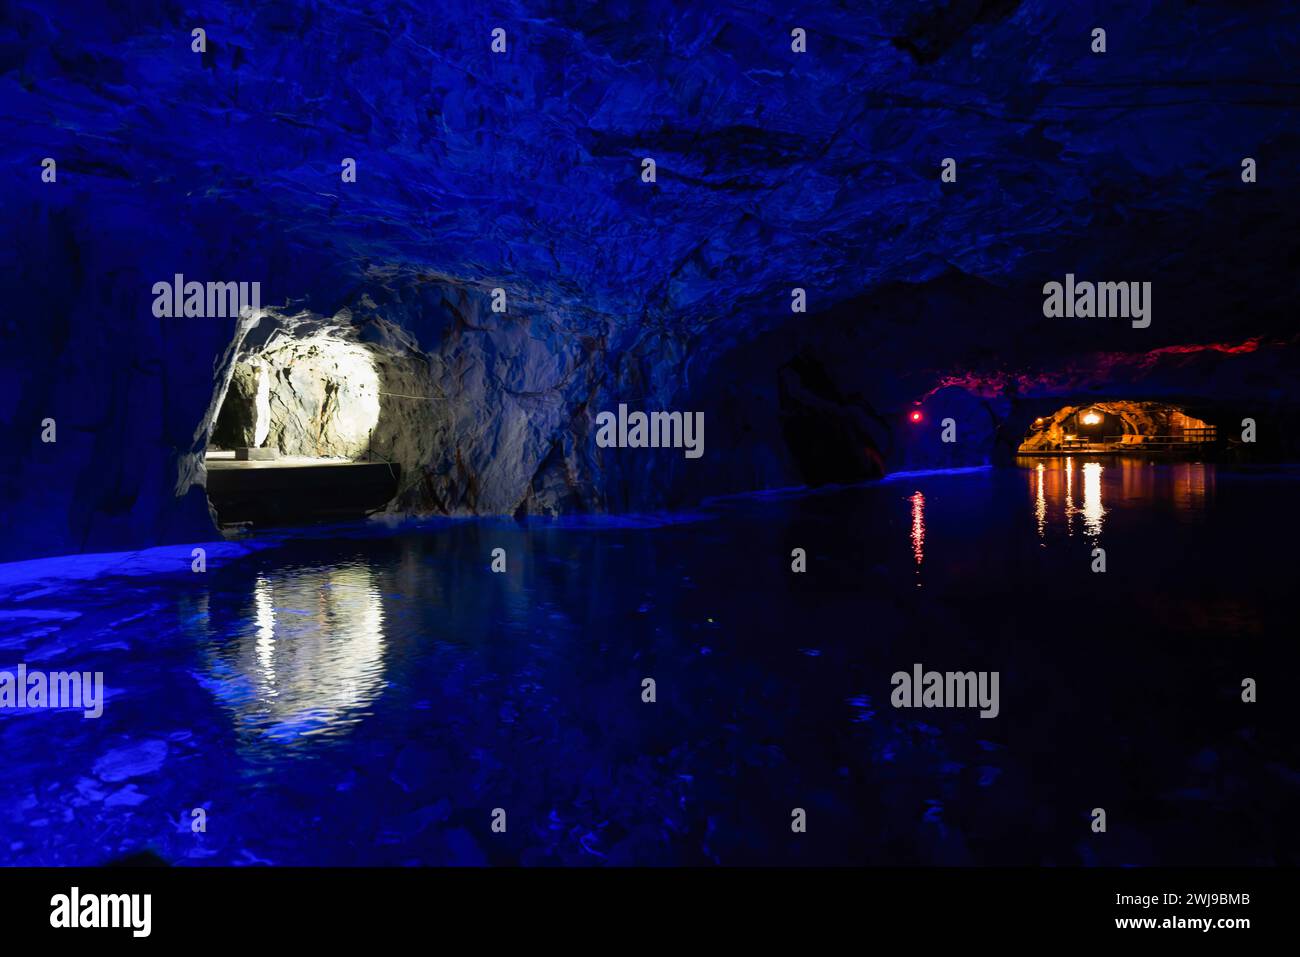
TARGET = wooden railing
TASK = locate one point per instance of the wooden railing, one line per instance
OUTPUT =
(1172, 440)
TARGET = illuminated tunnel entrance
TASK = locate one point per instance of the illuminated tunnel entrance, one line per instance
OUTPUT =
(293, 438)
(1118, 426)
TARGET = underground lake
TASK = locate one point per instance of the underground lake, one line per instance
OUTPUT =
(373, 692)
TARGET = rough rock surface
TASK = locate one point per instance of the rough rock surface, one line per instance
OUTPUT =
(521, 172)
(245, 417)
(324, 397)
(1134, 420)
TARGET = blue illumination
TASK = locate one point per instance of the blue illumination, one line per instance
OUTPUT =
(368, 692)
(388, 682)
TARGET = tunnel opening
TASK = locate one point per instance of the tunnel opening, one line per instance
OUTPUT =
(293, 436)
(1115, 426)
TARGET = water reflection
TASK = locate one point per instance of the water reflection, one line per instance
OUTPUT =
(1069, 496)
(1040, 501)
(918, 529)
(1053, 490)
(1192, 486)
(1092, 508)
(324, 730)
(309, 658)
(1185, 487)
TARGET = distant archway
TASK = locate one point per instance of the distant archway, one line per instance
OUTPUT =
(1117, 426)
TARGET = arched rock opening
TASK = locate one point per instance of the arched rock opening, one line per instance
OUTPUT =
(318, 418)
(1117, 425)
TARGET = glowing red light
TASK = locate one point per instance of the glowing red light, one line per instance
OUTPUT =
(916, 416)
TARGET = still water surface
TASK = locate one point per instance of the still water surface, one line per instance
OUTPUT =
(368, 695)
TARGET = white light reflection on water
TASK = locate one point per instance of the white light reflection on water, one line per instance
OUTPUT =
(1069, 496)
(310, 661)
(1093, 512)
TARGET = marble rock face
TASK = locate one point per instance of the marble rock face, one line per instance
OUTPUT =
(323, 398)
(245, 417)
(522, 172)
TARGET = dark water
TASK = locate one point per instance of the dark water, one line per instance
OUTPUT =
(363, 695)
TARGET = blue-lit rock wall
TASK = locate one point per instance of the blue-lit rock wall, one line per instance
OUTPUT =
(522, 171)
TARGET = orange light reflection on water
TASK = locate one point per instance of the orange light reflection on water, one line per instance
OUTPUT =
(1110, 483)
